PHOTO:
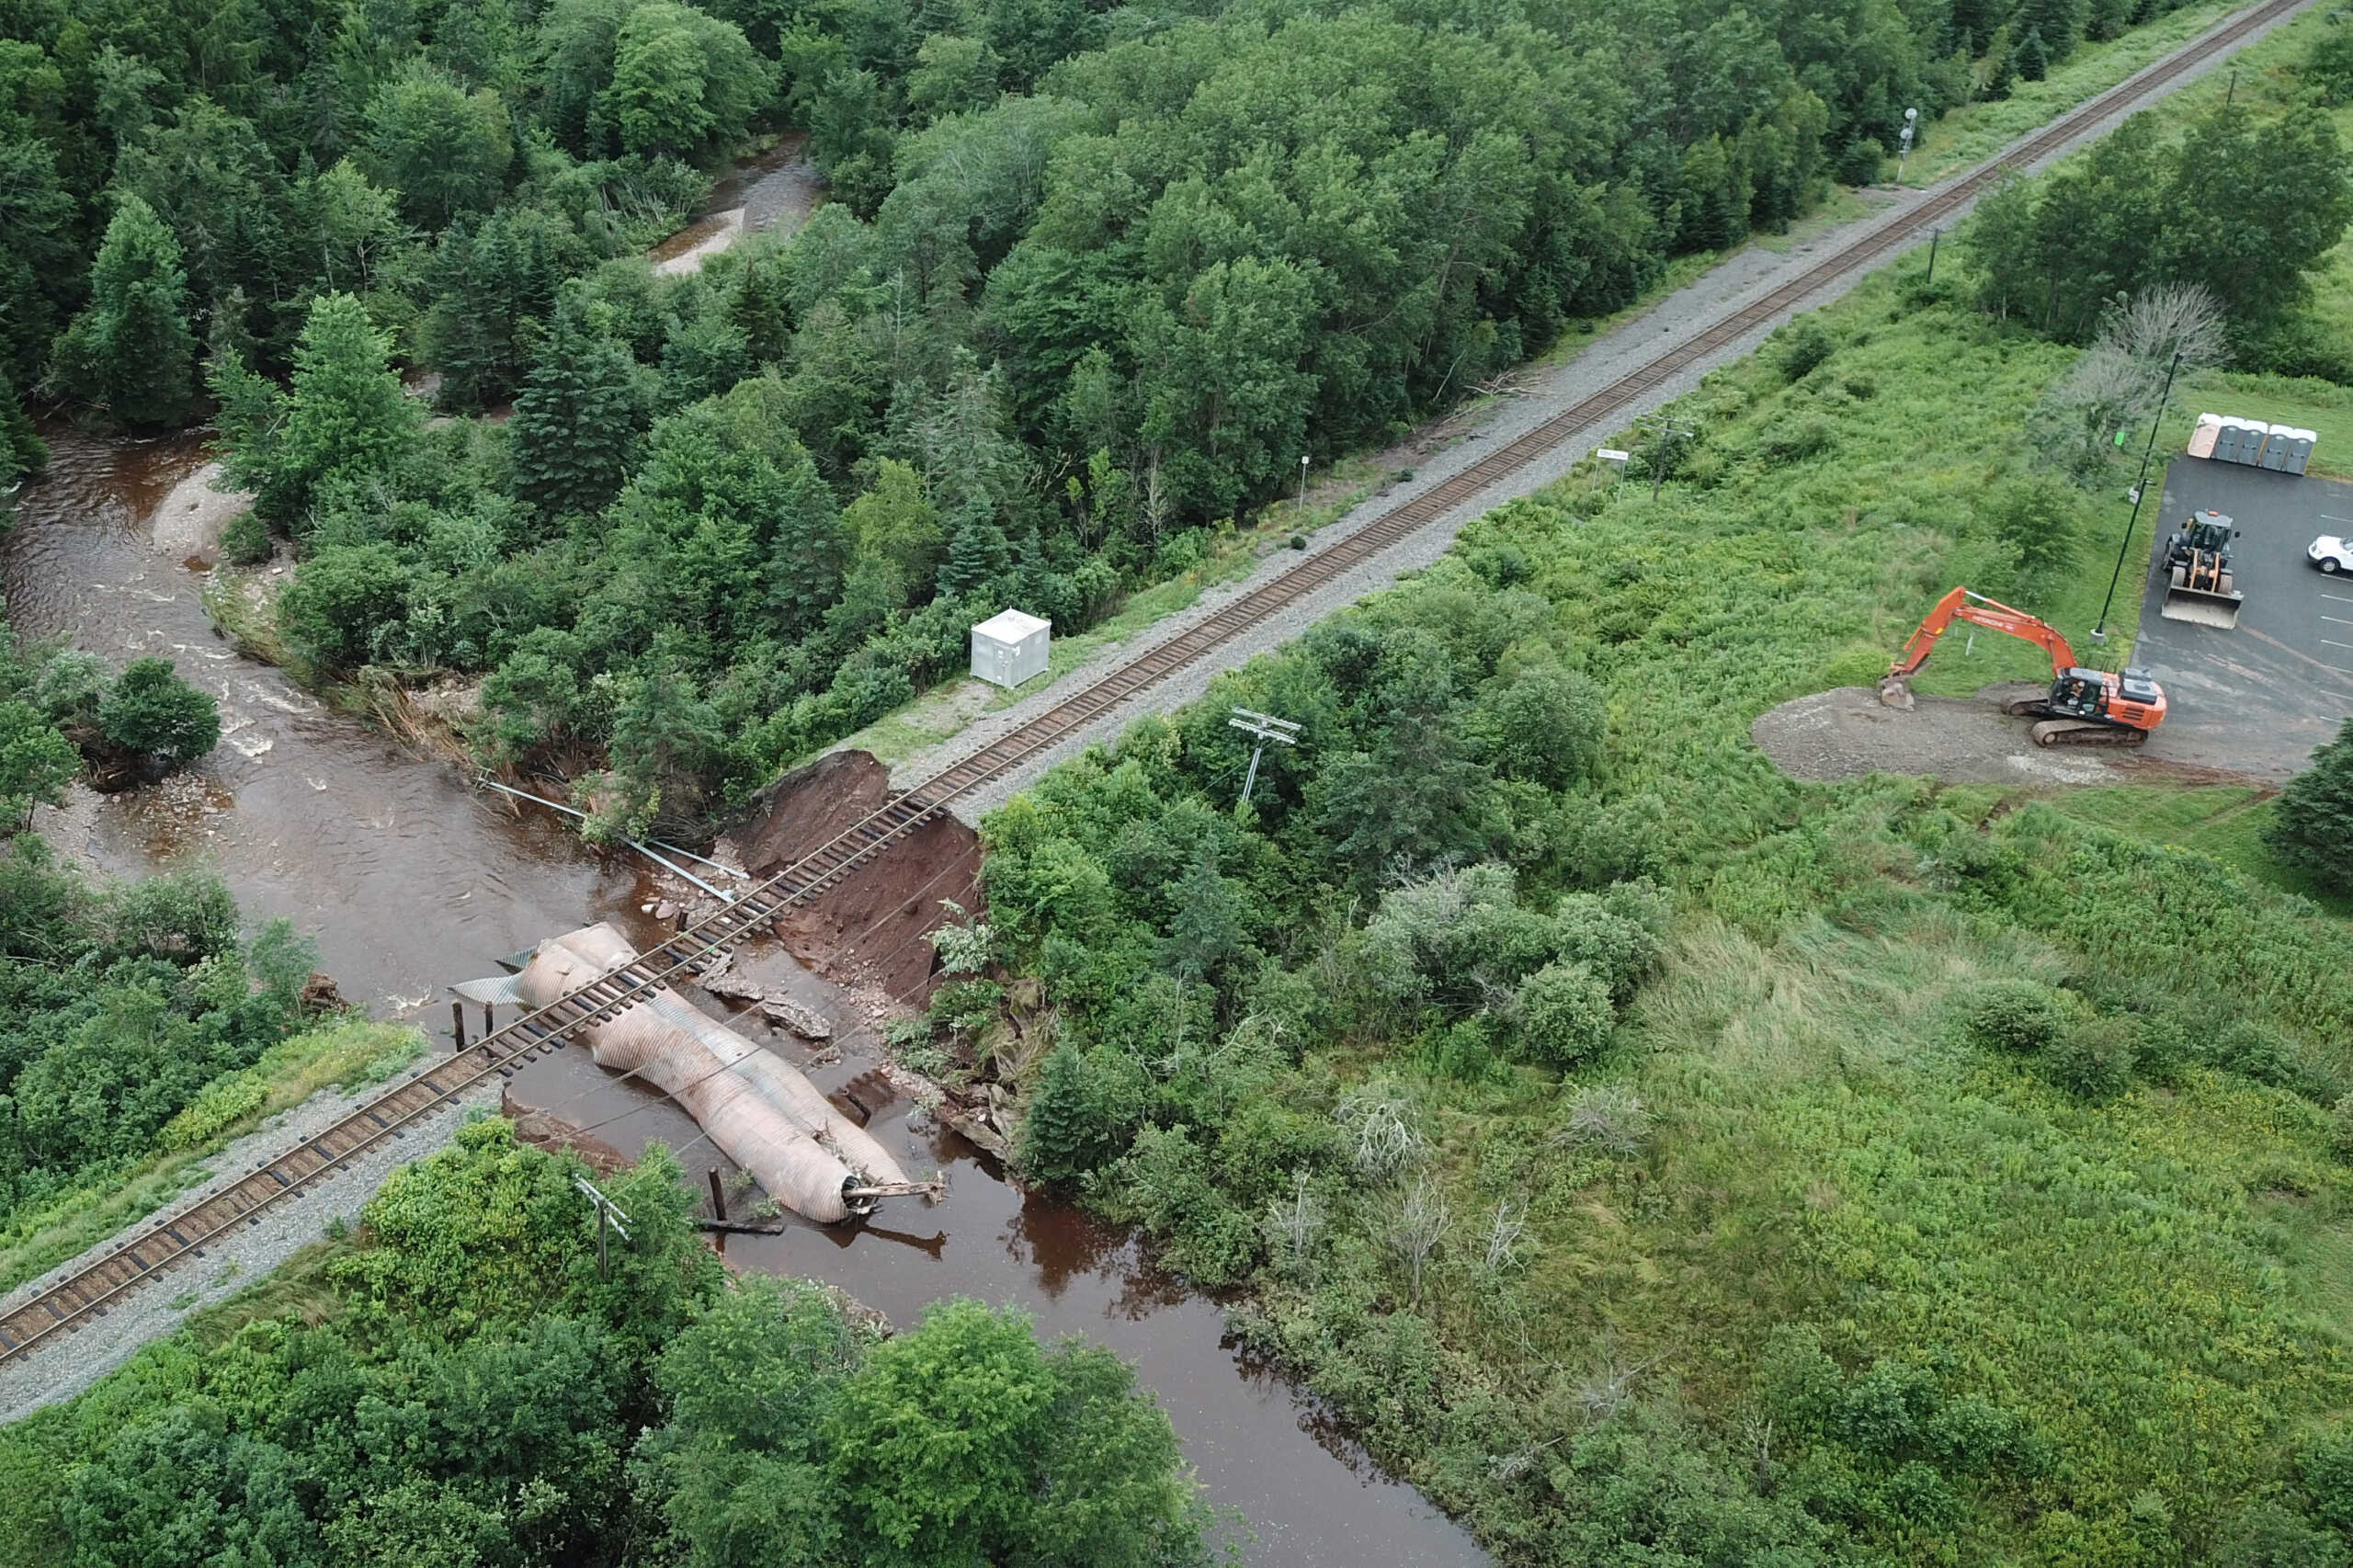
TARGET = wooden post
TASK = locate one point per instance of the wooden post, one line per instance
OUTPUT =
(487, 1027)
(718, 1196)
(458, 1023)
(604, 1270)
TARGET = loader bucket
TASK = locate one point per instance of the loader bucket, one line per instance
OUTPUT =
(2201, 607)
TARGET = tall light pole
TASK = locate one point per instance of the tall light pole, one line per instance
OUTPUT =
(1904, 141)
(2139, 488)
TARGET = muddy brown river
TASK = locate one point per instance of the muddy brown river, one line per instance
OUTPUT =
(409, 881)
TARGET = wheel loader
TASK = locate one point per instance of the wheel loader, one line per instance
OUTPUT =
(2198, 573)
(2084, 707)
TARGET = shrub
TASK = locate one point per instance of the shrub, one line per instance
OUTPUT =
(1593, 933)
(1547, 726)
(2312, 821)
(2094, 1059)
(246, 541)
(1803, 348)
(151, 713)
(1607, 1118)
(2018, 1016)
(2262, 1052)
(2326, 1468)
(1564, 1014)
(2329, 67)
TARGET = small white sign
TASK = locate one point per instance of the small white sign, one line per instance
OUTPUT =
(1611, 454)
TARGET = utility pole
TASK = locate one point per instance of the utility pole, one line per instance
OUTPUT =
(609, 1213)
(1934, 235)
(1302, 484)
(2140, 487)
(1661, 433)
(1265, 727)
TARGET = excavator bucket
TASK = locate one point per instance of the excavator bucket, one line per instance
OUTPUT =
(1895, 691)
(2207, 600)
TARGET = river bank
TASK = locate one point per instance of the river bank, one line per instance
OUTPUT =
(409, 880)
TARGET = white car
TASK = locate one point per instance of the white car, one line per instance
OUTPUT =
(2331, 554)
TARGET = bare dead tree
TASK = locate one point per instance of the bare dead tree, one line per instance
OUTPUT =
(1608, 1383)
(2119, 378)
(1504, 1233)
(2164, 320)
(1608, 1118)
(1293, 1223)
(1383, 1141)
(1422, 1219)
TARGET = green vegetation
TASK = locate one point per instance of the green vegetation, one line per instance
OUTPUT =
(1635, 1145)
(461, 1384)
(2312, 827)
(62, 710)
(122, 1009)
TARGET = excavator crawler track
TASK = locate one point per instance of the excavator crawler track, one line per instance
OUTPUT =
(2084, 733)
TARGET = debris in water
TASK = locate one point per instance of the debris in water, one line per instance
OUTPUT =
(806, 1022)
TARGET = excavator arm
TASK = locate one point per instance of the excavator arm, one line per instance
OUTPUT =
(1978, 610)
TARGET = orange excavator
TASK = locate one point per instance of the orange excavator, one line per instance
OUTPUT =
(2084, 707)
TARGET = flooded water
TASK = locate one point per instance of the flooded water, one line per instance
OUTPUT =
(409, 881)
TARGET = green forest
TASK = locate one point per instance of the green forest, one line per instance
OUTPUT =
(1089, 282)
(461, 1384)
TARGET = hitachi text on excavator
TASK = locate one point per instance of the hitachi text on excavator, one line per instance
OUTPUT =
(2084, 707)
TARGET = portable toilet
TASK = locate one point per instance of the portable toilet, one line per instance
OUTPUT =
(2226, 439)
(2276, 444)
(1009, 647)
(2246, 438)
(2300, 451)
(2202, 435)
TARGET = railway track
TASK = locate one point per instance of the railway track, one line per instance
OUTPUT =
(85, 1294)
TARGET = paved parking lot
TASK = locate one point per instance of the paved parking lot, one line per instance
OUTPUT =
(2259, 698)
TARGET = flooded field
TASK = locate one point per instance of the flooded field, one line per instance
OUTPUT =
(409, 880)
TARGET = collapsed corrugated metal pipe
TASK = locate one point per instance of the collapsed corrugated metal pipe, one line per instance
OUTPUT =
(761, 1112)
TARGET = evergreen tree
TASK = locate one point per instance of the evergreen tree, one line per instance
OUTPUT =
(2311, 824)
(575, 419)
(977, 552)
(22, 450)
(346, 413)
(131, 351)
(2033, 60)
(1058, 1135)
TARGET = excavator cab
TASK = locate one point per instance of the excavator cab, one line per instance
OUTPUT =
(2077, 694)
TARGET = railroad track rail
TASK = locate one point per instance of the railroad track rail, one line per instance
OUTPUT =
(163, 1246)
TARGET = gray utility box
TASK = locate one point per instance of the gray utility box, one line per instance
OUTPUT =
(1009, 647)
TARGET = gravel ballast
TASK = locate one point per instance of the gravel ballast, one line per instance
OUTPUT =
(1734, 283)
(69, 1362)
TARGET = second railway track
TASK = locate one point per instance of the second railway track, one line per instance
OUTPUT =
(161, 1245)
